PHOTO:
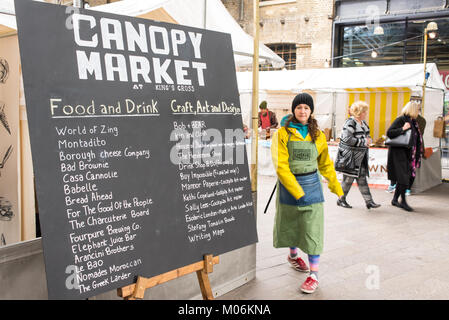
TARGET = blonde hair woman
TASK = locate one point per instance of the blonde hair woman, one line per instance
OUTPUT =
(353, 149)
(357, 108)
(403, 162)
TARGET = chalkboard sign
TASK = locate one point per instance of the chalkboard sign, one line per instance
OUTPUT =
(137, 145)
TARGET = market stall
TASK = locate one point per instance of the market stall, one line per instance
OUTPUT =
(428, 176)
(386, 89)
(377, 162)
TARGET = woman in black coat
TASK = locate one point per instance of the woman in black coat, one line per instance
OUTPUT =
(403, 162)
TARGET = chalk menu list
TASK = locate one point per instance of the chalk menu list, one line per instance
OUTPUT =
(138, 154)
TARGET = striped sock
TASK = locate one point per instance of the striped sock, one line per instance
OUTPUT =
(314, 261)
(293, 252)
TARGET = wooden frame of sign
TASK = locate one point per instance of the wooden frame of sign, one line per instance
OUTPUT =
(202, 269)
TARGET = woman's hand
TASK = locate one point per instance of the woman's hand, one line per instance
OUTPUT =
(406, 126)
(368, 141)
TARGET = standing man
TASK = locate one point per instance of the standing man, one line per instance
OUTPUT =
(267, 118)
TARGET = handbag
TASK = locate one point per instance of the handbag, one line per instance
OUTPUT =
(439, 128)
(403, 140)
(344, 162)
(349, 158)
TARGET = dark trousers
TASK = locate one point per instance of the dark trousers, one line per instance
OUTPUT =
(401, 188)
(400, 191)
(362, 182)
(412, 179)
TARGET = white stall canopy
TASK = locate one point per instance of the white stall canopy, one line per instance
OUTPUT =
(340, 79)
(385, 88)
(205, 14)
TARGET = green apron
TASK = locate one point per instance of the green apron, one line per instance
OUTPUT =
(300, 223)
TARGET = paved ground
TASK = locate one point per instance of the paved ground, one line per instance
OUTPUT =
(384, 253)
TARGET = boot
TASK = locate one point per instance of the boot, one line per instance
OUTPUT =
(404, 205)
(395, 203)
(397, 193)
(371, 204)
(342, 203)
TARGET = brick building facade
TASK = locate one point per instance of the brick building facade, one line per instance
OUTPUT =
(300, 31)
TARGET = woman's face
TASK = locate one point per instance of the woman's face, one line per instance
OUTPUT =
(363, 115)
(302, 113)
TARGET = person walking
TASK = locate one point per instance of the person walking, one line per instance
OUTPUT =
(299, 150)
(402, 161)
(416, 97)
(354, 148)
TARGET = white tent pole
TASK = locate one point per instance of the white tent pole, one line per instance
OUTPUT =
(205, 14)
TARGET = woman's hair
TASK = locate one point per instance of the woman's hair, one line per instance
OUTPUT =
(411, 109)
(358, 107)
(312, 126)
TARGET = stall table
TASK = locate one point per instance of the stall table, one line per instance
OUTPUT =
(428, 176)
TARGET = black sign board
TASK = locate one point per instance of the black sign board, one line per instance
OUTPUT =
(137, 144)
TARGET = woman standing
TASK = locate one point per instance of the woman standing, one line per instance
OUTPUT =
(402, 161)
(298, 150)
(354, 148)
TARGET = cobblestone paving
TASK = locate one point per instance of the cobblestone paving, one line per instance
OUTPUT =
(384, 253)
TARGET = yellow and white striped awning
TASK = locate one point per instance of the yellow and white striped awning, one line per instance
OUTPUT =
(385, 104)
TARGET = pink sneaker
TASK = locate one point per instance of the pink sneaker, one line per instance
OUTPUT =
(298, 264)
(310, 285)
